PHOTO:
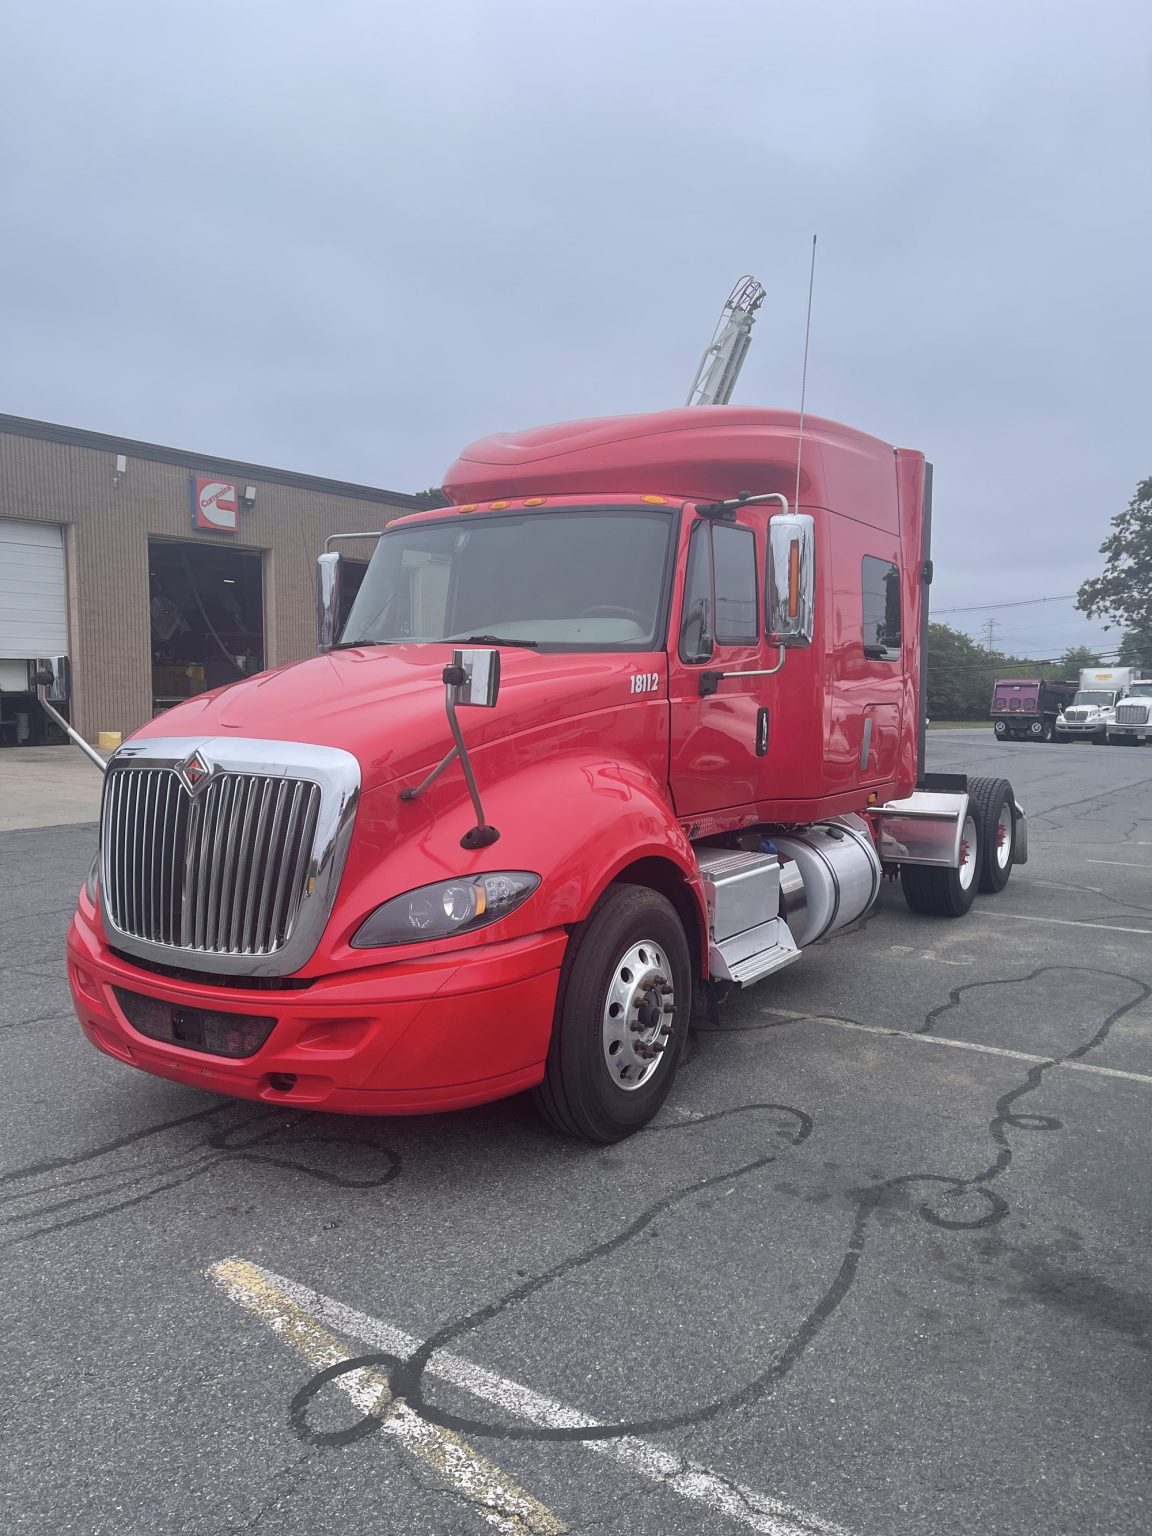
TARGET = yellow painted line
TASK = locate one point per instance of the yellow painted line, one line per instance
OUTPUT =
(674, 1473)
(496, 1498)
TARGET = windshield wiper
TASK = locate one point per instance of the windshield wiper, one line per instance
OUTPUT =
(355, 645)
(496, 640)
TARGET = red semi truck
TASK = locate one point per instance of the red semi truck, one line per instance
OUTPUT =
(621, 728)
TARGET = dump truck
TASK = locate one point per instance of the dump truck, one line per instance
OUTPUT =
(1027, 708)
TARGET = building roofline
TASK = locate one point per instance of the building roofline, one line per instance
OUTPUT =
(79, 437)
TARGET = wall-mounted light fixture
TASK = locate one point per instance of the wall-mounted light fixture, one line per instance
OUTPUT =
(249, 497)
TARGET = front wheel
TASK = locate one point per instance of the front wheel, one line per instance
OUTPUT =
(946, 892)
(622, 1016)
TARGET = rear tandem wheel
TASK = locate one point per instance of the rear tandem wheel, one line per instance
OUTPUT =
(987, 852)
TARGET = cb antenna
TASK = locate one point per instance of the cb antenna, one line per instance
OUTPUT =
(804, 372)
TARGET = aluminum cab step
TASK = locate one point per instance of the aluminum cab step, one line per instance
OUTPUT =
(749, 939)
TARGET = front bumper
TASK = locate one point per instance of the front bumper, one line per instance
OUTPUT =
(1129, 732)
(1098, 728)
(399, 1039)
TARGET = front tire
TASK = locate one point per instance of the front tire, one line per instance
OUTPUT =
(622, 1016)
(938, 892)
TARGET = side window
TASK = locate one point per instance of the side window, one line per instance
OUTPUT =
(737, 608)
(696, 624)
(881, 609)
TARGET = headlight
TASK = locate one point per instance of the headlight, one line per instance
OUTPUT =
(90, 882)
(448, 907)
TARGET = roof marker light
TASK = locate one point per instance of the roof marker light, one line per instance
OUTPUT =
(469, 506)
(656, 501)
(498, 506)
(535, 501)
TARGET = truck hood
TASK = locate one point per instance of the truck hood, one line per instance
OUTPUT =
(385, 704)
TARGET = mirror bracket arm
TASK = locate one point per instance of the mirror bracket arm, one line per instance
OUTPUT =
(482, 835)
(710, 681)
(416, 790)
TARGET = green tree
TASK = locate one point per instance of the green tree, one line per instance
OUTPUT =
(1074, 660)
(432, 497)
(1123, 590)
(1136, 649)
(960, 675)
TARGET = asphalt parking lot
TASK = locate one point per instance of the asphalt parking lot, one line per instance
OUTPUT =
(880, 1267)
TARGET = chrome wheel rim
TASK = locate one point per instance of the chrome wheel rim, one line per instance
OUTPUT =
(967, 870)
(638, 1013)
(1004, 834)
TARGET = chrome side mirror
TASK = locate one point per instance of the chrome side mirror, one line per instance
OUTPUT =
(53, 674)
(327, 600)
(791, 595)
(474, 678)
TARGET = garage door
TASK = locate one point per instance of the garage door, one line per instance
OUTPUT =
(33, 606)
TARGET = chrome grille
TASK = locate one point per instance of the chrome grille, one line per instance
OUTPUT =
(221, 872)
(1131, 714)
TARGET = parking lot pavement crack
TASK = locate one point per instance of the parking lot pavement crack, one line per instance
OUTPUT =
(1071, 805)
(264, 1138)
(39, 1018)
(407, 1376)
(943, 1206)
(286, 1482)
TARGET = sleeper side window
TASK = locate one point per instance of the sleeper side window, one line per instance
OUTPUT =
(881, 609)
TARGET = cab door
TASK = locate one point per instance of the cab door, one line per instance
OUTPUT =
(719, 730)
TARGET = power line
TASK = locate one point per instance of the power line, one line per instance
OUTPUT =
(1024, 602)
(995, 663)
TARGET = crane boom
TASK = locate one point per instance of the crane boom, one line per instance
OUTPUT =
(724, 355)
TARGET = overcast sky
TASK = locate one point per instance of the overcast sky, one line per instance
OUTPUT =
(351, 237)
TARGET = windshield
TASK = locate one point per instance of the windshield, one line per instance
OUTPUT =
(1141, 690)
(1094, 696)
(584, 580)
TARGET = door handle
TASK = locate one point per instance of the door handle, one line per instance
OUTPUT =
(762, 731)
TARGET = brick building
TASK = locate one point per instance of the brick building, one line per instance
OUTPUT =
(158, 573)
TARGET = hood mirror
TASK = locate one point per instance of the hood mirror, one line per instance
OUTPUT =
(474, 678)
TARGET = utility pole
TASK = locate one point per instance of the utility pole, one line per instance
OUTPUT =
(989, 635)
